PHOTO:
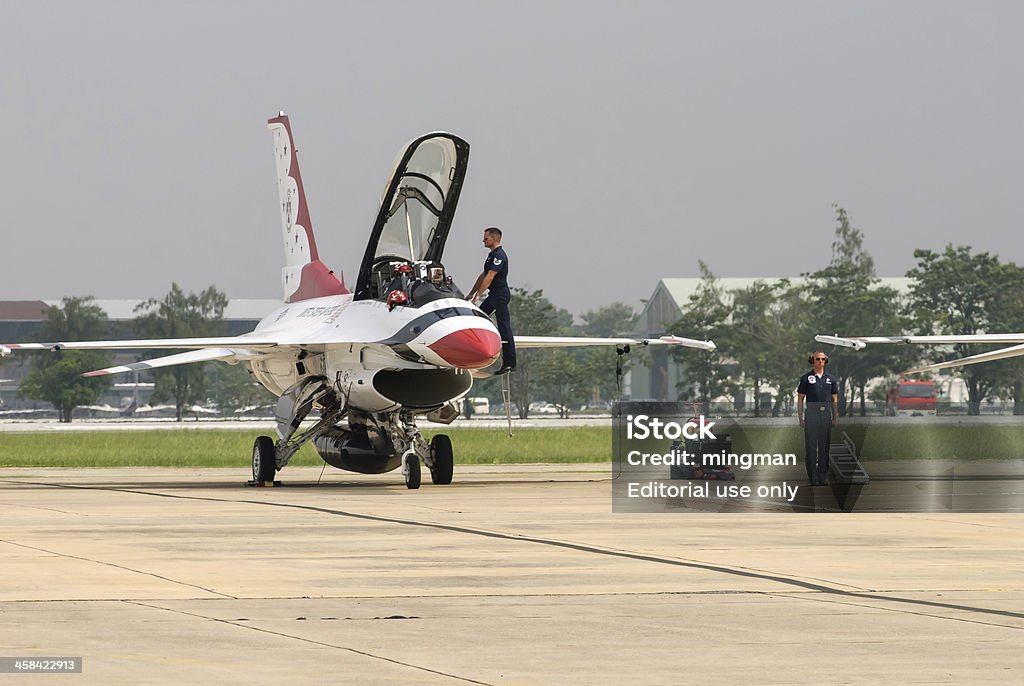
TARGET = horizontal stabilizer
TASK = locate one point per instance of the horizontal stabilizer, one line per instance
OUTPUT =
(189, 357)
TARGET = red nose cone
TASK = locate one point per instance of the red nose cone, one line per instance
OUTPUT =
(468, 348)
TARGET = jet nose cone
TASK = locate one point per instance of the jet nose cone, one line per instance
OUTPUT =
(468, 348)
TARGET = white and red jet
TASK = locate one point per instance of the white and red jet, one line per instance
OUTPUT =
(404, 344)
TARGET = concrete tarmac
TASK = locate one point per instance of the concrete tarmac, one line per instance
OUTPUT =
(512, 575)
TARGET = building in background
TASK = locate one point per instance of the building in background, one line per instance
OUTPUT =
(22, 321)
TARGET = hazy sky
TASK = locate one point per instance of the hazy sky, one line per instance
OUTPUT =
(615, 143)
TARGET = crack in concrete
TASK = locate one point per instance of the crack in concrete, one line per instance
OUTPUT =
(311, 641)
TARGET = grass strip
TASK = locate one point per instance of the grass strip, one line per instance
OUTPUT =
(233, 448)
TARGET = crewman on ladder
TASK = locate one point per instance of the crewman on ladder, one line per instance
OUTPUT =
(495, 279)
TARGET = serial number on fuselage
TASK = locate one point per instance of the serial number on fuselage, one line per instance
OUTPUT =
(330, 312)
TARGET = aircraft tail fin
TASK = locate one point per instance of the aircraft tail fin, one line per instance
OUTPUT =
(304, 276)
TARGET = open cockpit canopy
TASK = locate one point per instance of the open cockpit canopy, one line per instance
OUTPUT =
(416, 211)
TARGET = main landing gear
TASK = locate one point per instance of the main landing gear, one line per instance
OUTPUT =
(293, 406)
(368, 442)
(264, 463)
(444, 460)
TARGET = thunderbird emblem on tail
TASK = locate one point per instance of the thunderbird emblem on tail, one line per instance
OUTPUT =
(402, 346)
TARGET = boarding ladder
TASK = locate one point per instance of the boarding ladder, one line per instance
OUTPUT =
(843, 465)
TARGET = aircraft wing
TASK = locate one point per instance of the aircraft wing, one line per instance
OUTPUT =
(859, 342)
(225, 348)
(189, 357)
(573, 341)
(148, 344)
(1003, 353)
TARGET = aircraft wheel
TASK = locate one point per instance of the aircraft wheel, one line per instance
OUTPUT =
(444, 460)
(264, 462)
(411, 471)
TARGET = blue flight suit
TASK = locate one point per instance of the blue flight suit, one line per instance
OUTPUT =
(818, 392)
(498, 298)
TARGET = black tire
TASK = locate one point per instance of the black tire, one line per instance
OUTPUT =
(412, 474)
(264, 464)
(444, 460)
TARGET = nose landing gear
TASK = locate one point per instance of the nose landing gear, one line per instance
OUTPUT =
(411, 469)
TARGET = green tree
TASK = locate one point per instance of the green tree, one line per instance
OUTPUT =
(769, 320)
(599, 366)
(1008, 315)
(180, 315)
(846, 296)
(751, 321)
(57, 377)
(793, 325)
(706, 317)
(607, 321)
(561, 377)
(532, 315)
(955, 292)
(231, 388)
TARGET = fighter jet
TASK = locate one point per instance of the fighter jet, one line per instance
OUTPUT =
(403, 345)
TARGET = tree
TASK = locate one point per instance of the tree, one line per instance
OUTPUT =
(572, 376)
(561, 377)
(765, 340)
(705, 317)
(231, 388)
(845, 296)
(599, 366)
(1008, 315)
(792, 326)
(955, 292)
(532, 315)
(57, 377)
(178, 315)
(606, 321)
(751, 321)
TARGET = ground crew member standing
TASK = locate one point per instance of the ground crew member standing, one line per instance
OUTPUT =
(495, 278)
(821, 393)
